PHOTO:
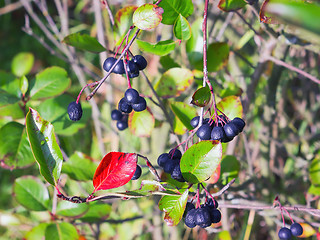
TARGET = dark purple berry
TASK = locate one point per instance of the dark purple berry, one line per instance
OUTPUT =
(176, 173)
(122, 125)
(215, 215)
(163, 159)
(195, 121)
(132, 96)
(108, 63)
(204, 132)
(137, 173)
(284, 233)
(217, 133)
(239, 123)
(140, 61)
(124, 106)
(202, 217)
(169, 166)
(212, 203)
(190, 218)
(226, 139)
(119, 68)
(140, 105)
(222, 120)
(296, 229)
(132, 69)
(175, 153)
(189, 206)
(75, 111)
(231, 130)
(116, 115)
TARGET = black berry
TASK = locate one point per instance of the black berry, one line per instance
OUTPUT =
(122, 125)
(108, 63)
(163, 159)
(231, 130)
(137, 173)
(215, 215)
(189, 206)
(116, 115)
(212, 203)
(190, 218)
(202, 217)
(140, 61)
(132, 96)
(195, 121)
(169, 166)
(204, 132)
(175, 153)
(140, 105)
(75, 111)
(119, 68)
(284, 233)
(217, 133)
(239, 123)
(176, 173)
(296, 229)
(124, 106)
(133, 70)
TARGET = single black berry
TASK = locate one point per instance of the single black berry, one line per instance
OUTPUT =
(176, 173)
(195, 121)
(217, 133)
(122, 125)
(202, 217)
(116, 115)
(140, 105)
(108, 63)
(212, 203)
(163, 159)
(190, 218)
(140, 61)
(239, 123)
(226, 139)
(124, 106)
(284, 233)
(231, 130)
(175, 153)
(75, 111)
(204, 132)
(133, 70)
(296, 229)
(169, 166)
(132, 96)
(215, 215)
(189, 206)
(137, 173)
(119, 68)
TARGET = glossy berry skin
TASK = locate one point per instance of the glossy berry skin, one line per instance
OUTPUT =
(122, 125)
(239, 123)
(119, 68)
(215, 215)
(284, 233)
(204, 132)
(195, 121)
(124, 106)
(141, 105)
(116, 115)
(140, 61)
(169, 166)
(202, 217)
(231, 130)
(163, 159)
(212, 203)
(132, 69)
(176, 173)
(190, 218)
(217, 133)
(108, 63)
(75, 111)
(175, 153)
(137, 173)
(296, 229)
(131, 95)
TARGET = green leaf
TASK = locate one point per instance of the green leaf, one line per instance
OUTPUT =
(173, 82)
(96, 212)
(44, 146)
(24, 85)
(231, 106)
(167, 62)
(230, 167)
(69, 209)
(194, 45)
(61, 231)
(314, 190)
(10, 84)
(296, 13)
(172, 9)
(174, 207)
(231, 5)
(59, 117)
(50, 82)
(79, 167)
(7, 98)
(141, 124)
(314, 171)
(178, 127)
(200, 161)
(31, 193)
(181, 28)
(184, 112)
(160, 48)
(84, 42)
(15, 149)
(12, 110)
(201, 97)
(22, 64)
(147, 16)
(36, 232)
(123, 21)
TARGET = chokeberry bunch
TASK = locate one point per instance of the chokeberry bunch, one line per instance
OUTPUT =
(286, 233)
(75, 111)
(121, 118)
(132, 101)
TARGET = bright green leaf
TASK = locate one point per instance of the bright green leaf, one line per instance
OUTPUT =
(173, 82)
(181, 28)
(84, 42)
(231, 106)
(44, 146)
(167, 62)
(70, 209)
(141, 124)
(200, 161)
(10, 84)
(50, 82)
(123, 21)
(22, 64)
(31, 193)
(314, 171)
(230, 167)
(194, 45)
(61, 231)
(314, 190)
(201, 97)
(184, 112)
(172, 9)
(24, 85)
(160, 48)
(147, 16)
(36, 232)
(231, 5)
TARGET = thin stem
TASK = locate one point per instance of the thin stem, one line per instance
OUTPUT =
(105, 2)
(151, 167)
(225, 188)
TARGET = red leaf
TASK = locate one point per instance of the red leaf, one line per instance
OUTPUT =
(215, 176)
(115, 170)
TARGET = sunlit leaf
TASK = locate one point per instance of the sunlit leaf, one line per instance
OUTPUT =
(69, 209)
(147, 16)
(61, 231)
(22, 64)
(184, 112)
(201, 97)
(160, 48)
(231, 5)
(181, 28)
(172, 9)
(24, 85)
(231, 106)
(84, 42)
(314, 171)
(141, 124)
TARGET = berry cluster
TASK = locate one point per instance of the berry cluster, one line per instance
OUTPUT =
(286, 233)
(132, 100)
(203, 216)
(224, 130)
(75, 111)
(122, 119)
(170, 162)
(133, 66)
(137, 173)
